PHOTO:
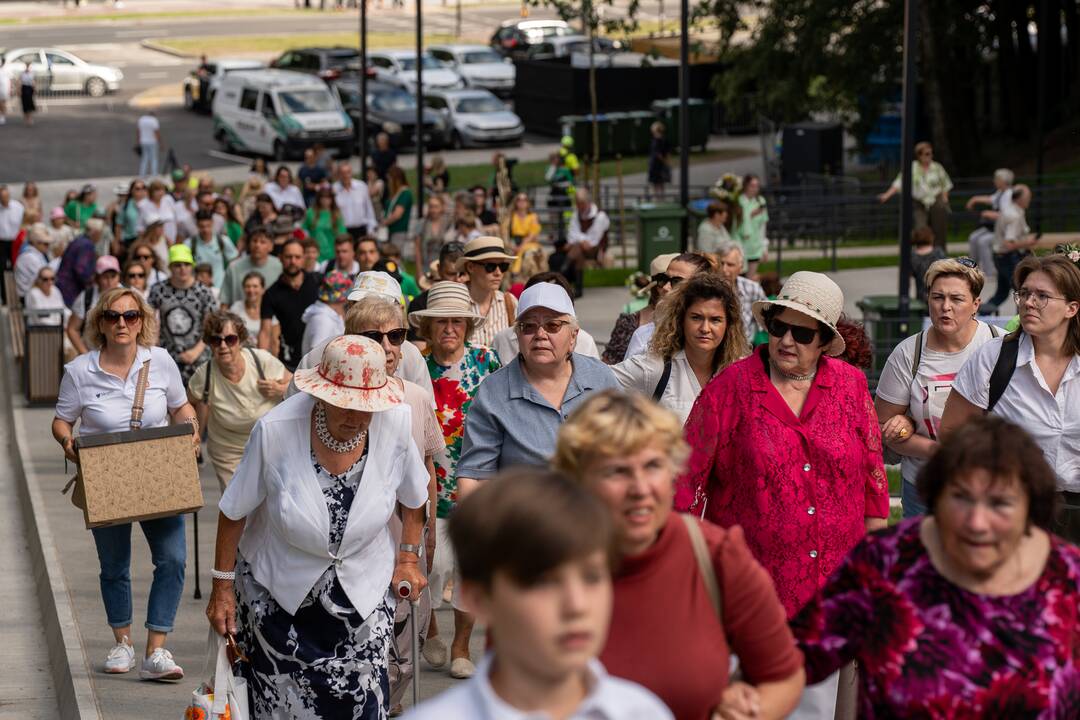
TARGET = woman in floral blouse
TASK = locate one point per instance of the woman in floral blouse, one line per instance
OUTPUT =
(456, 369)
(972, 611)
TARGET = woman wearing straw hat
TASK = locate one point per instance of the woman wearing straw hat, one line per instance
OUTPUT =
(457, 368)
(786, 444)
(305, 566)
(486, 261)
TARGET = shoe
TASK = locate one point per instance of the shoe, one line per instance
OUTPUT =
(161, 666)
(121, 658)
(462, 668)
(434, 652)
(397, 711)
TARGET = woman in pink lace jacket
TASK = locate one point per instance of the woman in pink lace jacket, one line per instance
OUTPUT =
(786, 444)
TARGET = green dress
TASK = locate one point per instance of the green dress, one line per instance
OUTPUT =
(323, 230)
(404, 199)
(751, 231)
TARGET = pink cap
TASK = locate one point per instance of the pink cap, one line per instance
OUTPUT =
(57, 212)
(105, 263)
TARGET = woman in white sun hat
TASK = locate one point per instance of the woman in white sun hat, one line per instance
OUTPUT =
(785, 443)
(303, 583)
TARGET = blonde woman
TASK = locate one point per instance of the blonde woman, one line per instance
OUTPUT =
(698, 333)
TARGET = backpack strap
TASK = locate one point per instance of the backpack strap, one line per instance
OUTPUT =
(206, 384)
(994, 332)
(1003, 368)
(704, 563)
(661, 386)
(917, 360)
(258, 364)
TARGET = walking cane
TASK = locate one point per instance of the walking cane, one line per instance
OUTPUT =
(198, 589)
(404, 590)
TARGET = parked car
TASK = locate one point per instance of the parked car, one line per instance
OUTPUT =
(203, 82)
(475, 117)
(60, 71)
(398, 67)
(565, 45)
(514, 37)
(279, 113)
(329, 63)
(390, 110)
(479, 66)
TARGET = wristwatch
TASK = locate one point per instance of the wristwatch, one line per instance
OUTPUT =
(406, 547)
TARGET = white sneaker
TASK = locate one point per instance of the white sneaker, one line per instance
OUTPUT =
(121, 658)
(161, 666)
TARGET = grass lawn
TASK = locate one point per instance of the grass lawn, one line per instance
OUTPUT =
(163, 15)
(218, 45)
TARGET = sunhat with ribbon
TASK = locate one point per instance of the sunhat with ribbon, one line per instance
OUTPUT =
(351, 376)
(814, 295)
(447, 299)
(486, 248)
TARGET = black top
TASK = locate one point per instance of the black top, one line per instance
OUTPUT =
(418, 303)
(316, 174)
(381, 160)
(288, 305)
(487, 217)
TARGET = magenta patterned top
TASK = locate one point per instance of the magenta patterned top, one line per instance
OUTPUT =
(929, 649)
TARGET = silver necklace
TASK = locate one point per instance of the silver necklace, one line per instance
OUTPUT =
(790, 376)
(329, 441)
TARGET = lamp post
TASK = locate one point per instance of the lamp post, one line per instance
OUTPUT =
(907, 152)
(363, 90)
(684, 117)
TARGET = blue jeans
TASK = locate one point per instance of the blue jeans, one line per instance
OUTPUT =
(148, 160)
(168, 550)
(1006, 265)
(911, 501)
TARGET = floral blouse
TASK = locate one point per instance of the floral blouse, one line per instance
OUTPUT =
(625, 325)
(800, 487)
(929, 649)
(455, 386)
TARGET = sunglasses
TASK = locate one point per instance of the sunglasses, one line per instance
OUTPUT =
(47, 278)
(130, 316)
(139, 187)
(134, 275)
(396, 337)
(551, 327)
(230, 340)
(800, 334)
(142, 256)
(967, 262)
(665, 279)
(491, 267)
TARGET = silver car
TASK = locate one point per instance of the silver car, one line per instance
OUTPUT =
(60, 71)
(475, 117)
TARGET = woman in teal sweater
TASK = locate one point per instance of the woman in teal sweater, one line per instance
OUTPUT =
(323, 222)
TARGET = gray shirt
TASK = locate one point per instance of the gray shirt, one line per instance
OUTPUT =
(510, 423)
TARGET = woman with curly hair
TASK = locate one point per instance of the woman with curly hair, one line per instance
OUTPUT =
(698, 333)
(858, 350)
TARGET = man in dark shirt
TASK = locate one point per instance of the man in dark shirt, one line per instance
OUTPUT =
(310, 175)
(286, 300)
(383, 156)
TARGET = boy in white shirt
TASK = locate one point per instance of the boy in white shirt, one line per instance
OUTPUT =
(535, 553)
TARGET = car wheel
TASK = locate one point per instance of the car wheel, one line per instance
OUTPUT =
(223, 140)
(96, 87)
(280, 155)
(189, 102)
(456, 141)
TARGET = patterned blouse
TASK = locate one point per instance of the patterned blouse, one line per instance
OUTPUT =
(625, 325)
(800, 487)
(929, 649)
(927, 183)
(455, 386)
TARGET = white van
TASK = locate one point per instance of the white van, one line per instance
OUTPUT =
(280, 113)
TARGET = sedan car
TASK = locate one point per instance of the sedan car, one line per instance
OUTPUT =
(475, 117)
(203, 82)
(398, 67)
(479, 66)
(329, 63)
(60, 71)
(514, 37)
(565, 45)
(390, 110)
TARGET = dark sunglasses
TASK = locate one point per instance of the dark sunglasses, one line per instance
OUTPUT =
(130, 316)
(800, 334)
(229, 340)
(490, 267)
(47, 278)
(665, 279)
(396, 337)
(551, 327)
(967, 262)
(136, 275)
(143, 256)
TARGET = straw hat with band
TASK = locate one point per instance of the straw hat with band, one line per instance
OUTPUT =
(351, 376)
(485, 248)
(658, 265)
(814, 295)
(447, 299)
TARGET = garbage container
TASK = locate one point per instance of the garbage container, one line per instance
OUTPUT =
(621, 131)
(43, 363)
(659, 231)
(886, 327)
(667, 111)
(640, 122)
(579, 128)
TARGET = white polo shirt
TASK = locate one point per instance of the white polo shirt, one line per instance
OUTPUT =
(282, 196)
(102, 401)
(608, 698)
(1053, 420)
(355, 204)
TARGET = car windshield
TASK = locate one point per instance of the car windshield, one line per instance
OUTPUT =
(409, 62)
(481, 56)
(341, 60)
(393, 102)
(306, 101)
(480, 105)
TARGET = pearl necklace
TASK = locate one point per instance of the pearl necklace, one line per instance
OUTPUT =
(329, 441)
(789, 376)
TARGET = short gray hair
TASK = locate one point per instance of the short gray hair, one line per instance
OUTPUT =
(727, 247)
(1005, 175)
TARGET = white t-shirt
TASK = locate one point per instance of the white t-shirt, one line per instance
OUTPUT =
(37, 300)
(253, 325)
(321, 324)
(282, 196)
(925, 394)
(5, 84)
(148, 128)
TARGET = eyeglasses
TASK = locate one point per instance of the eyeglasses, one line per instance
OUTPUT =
(130, 316)
(216, 340)
(396, 336)
(800, 334)
(665, 279)
(489, 268)
(968, 262)
(1039, 299)
(551, 327)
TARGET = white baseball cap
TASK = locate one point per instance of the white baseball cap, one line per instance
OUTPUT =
(374, 283)
(545, 295)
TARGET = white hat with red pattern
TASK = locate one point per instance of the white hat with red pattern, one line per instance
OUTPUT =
(351, 376)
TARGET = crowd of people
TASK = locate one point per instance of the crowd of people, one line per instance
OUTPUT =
(688, 521)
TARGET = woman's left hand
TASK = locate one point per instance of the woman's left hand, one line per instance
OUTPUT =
(409, 571)
(740, 701)
(898, 428)
(272, 389)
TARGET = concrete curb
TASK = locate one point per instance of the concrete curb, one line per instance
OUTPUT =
(164, 49)
(67, 660)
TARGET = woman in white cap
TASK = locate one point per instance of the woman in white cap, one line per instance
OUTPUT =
(320, 478)
(457, 367)
(786, 444)
(486, 261)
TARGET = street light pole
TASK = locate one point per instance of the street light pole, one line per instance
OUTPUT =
(1044, 31)
(684, 117)
(907, 152)
(419, 116)
(363, 90)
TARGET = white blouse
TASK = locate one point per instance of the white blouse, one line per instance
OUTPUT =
(643, 372)
(286, 539)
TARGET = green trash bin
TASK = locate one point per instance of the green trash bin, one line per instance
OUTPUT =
(886, 327)
(640, 122)
(579, 128)
(621, 130)
(700, 120)
(659, 231)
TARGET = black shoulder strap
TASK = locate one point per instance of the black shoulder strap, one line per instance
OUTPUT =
(662, 385)
(917, 360)
(994, 332)
(206, 383)
(1003, 368)
(258, 365)
(88, 301)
